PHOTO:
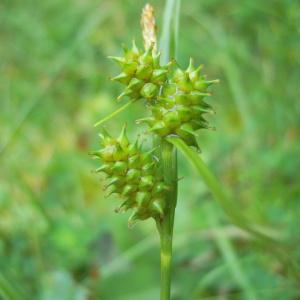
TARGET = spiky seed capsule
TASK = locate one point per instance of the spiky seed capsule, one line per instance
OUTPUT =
(176, 98)
(132, 174)
(141, 73)
(180, 108)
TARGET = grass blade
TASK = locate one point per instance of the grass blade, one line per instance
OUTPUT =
(9, 291)
(228, 252)
(280, 250)
(214, 186)
(57, 67)
(116, 112)
(169, 37)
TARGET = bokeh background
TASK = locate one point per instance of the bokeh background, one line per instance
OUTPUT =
(60, 239)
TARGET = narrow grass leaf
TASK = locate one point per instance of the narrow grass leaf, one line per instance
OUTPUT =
(214, 186)
(169, 37)
(8, 290)
(228, 252)
(115, 113)
(57, 66)
(279, 249)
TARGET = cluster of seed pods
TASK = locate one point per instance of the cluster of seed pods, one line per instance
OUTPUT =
(180, 108)
(141, 72)
(133, 175)
(176, 101)
(176, 96)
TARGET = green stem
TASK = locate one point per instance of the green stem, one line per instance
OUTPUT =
(165, 226)
(166, 237)
(168, 156)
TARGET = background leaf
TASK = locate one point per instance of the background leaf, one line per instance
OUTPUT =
(54, 85)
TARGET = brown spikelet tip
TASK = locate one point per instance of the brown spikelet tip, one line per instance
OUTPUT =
(149, 27)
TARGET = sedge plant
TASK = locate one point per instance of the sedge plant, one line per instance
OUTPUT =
(176, 101)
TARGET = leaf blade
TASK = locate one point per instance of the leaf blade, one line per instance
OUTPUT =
(115, 113)
(215, 188)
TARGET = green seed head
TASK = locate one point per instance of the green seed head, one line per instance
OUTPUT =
(141, 73)
(180, 108)
(133, 175)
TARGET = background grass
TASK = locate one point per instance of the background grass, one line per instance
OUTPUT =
(59, 236)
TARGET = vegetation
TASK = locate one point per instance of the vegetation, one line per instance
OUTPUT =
(59, 238)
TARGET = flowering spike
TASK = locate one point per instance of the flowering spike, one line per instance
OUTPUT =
(132, 174)
(142, 66)
(180, 105)
(176, 100)
(149, 26)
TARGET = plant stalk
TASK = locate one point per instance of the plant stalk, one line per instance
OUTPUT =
(168, 156)
(166, 237)
(165, 226)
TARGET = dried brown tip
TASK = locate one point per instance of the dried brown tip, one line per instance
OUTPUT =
(149, 27)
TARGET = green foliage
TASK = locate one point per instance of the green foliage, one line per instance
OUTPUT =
(58, 233)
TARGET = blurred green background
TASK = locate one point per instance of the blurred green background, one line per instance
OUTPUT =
(60, 239)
